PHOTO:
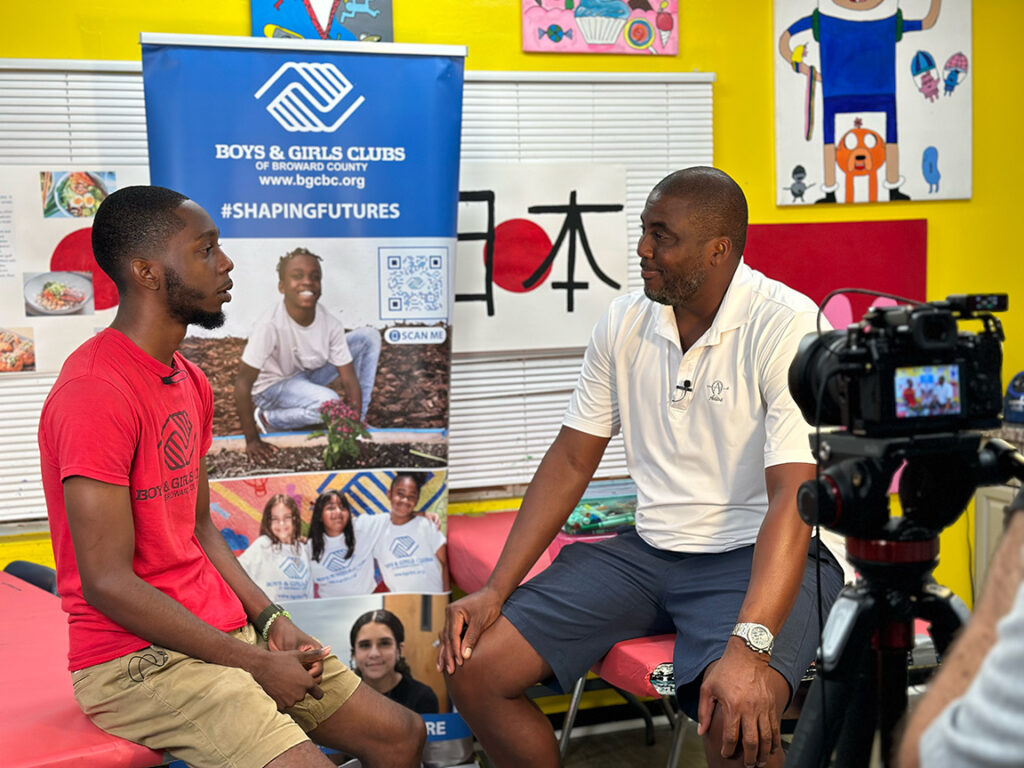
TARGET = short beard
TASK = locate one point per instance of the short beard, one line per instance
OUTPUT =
(678, 291)
(181, 303)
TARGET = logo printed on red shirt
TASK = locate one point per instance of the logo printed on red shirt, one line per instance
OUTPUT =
(178, 440)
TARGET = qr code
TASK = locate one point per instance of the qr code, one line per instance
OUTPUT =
(414, 283)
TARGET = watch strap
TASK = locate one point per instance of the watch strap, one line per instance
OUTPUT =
(745, 629)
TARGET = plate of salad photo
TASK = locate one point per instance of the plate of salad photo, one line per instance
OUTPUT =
(76, 193)
(58, 293)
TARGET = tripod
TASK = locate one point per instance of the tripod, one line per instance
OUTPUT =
(861, 686)
(861, 683)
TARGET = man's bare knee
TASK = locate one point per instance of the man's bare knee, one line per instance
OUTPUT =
(377, 730)
(304, 755)
(409, 747)
(403, 748)
(503, 665)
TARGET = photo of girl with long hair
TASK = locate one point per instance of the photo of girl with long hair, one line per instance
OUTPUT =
(341, 547)
(277, 560)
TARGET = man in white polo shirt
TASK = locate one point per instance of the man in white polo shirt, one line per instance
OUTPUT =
(694, 371)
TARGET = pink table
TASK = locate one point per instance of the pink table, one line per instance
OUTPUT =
(40, 722)
(474, 543)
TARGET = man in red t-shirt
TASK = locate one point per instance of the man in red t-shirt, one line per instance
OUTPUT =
(171, 644)
(910, 395)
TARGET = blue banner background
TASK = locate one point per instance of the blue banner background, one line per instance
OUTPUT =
(218, 143)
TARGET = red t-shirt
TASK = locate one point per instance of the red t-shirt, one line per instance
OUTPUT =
(110, 417)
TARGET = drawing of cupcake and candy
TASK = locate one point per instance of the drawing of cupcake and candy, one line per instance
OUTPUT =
(601, 21)
(599, 26)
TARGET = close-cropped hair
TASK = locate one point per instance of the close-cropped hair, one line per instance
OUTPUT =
(134, 221)
(720, 207)
(282, 263)
(419, 478)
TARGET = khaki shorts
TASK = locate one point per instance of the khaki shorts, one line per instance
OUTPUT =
(204, 714)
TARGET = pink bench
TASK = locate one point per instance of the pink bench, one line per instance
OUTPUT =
(41, 725)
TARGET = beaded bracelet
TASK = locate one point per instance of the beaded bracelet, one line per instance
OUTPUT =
(271, 620)
(267, 615)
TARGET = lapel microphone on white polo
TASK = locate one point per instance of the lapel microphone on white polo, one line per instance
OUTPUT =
(681, 390)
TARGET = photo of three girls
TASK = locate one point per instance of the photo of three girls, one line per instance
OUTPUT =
(345, 553)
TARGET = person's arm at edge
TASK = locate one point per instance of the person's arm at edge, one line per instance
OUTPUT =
(103, 535)
(961, 664)
(255, 448)
(776, 574)
(557, 486)
(350, 386)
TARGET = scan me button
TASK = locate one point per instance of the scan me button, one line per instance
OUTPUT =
(416, 335)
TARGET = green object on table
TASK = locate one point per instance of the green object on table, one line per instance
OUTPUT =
(599, 515)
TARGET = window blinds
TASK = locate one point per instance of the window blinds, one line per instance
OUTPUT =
(505, 407)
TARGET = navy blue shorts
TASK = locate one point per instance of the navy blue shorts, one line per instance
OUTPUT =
(596, 594)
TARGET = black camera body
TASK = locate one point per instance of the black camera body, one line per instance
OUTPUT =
(905, 370)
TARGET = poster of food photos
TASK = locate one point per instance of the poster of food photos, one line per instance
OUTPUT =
(53, 296)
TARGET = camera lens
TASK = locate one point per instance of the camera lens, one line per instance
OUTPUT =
(812, 377)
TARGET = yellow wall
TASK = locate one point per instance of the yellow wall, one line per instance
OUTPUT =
(968, 245)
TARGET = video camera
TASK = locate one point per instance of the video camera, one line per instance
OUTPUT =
(905, 370)
(910, 390)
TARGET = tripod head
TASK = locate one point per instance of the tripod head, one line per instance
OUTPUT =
(851, 494)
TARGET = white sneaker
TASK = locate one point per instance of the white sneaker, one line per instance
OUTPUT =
(260, 424)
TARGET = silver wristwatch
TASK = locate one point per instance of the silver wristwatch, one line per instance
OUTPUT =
(757, 636)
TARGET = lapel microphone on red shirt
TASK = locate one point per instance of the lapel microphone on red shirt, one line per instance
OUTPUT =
(176, 376)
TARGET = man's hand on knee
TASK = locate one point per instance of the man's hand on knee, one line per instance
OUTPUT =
(465, 620)
(739, 706)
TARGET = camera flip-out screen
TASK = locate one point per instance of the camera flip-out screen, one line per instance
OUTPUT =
(927, 390)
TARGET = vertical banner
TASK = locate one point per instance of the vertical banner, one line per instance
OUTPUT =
(331, 170)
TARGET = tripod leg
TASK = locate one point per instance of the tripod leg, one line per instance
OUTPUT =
(892, 699)
(825, 717)
(856, 738)
(843, 677)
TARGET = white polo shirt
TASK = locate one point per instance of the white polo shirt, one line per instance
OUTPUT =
(698, 457)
